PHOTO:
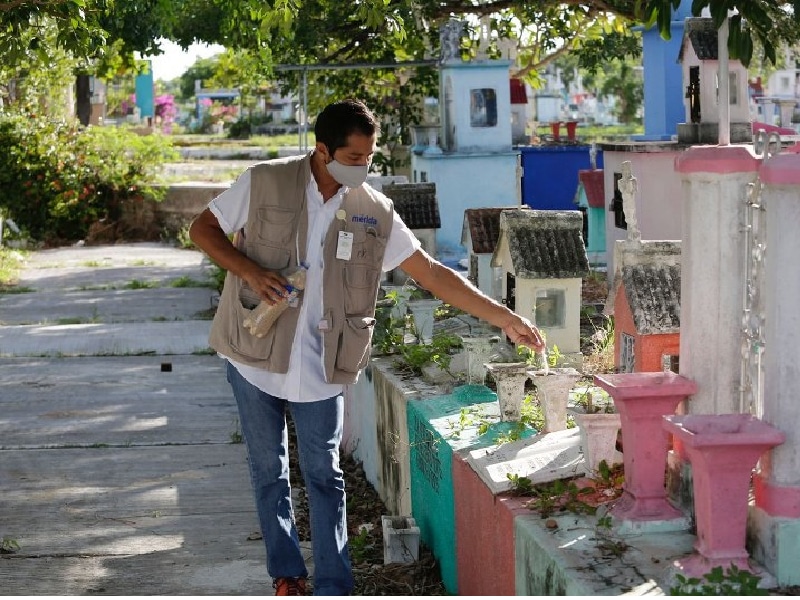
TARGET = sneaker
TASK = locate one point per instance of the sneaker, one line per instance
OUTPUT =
(289, 586)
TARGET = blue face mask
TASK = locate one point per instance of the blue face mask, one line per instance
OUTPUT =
(352, 176)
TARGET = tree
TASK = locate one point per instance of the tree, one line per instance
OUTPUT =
(76, 23)
(766, 22)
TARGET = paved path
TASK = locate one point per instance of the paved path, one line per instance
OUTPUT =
(118, 475)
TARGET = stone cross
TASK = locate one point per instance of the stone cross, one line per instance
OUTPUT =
(450, 40)
(628, 187)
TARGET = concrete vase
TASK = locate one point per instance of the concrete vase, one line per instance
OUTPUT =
(598, 438)
(479, 351)
(723, 450)
(554, 386)
(423, 310)
(642, 400)
(510, 379)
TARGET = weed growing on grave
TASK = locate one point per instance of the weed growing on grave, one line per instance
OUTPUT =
(413, 357)
(520, 486)
(600, 358)
(387, 337)
(468, 417)
(360, 545)
(587, 400)
(609, 479)
(559, 496)
(531, 417)
(427, 442)
(732, 582)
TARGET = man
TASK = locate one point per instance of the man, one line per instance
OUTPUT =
(314, 210)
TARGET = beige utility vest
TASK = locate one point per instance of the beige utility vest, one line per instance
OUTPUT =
(277, 226)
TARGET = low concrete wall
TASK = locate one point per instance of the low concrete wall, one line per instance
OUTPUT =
(183, 202)
(186, 200)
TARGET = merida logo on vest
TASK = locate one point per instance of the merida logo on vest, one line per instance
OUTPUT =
(366, 219)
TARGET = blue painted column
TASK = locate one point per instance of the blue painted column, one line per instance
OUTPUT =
(663, 79)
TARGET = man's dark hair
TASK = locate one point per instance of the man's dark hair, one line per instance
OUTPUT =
(341, 119)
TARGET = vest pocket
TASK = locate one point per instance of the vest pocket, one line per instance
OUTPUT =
(360, 289)
(354, 344)
(244, 342)
(269, 257)
(279, 222)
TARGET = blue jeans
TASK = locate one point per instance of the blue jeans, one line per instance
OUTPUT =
(319, 431)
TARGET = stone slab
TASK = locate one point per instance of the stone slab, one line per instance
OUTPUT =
(577, 558)
(105, 339)
(541, 458)
(116, 401)
(122, 521)
(76, 268)
(106, 306)
(118, 477)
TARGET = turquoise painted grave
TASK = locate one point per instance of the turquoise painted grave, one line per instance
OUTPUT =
(439, 428)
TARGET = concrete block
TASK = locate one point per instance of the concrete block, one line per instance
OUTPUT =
(400, 540)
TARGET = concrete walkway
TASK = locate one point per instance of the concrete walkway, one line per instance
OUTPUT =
(118, 471)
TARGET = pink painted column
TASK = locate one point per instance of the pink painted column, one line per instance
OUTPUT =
(723, 450)
(642, 400)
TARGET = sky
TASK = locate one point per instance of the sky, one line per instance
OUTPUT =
(174, 62)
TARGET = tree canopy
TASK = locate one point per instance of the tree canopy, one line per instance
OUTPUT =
(266, 36)
(331, 31)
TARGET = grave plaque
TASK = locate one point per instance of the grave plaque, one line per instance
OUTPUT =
(541, 458)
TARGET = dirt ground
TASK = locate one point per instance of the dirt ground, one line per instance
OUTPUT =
(364, 507)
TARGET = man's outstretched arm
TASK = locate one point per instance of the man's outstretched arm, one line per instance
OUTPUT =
(447, 285)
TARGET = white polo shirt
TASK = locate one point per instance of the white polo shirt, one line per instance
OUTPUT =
(305, 379)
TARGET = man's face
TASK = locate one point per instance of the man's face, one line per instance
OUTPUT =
(358, 151)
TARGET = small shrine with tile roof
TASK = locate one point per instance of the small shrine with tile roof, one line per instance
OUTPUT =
(417, 205)
(645, 299)
(543, 261)
(479, 236)
(591, 198)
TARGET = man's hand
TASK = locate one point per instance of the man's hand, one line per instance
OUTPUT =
(269, 285)
(207, 235)
(523, 333)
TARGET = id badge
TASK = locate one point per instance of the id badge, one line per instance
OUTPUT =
(344, 248)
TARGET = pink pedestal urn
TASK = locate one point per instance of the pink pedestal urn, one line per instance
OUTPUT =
(723, 450)
(642, 400)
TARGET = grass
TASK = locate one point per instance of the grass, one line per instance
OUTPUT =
(10, 266)
(142, 263)
(138, 284)
(187, 282)
(593, 133)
